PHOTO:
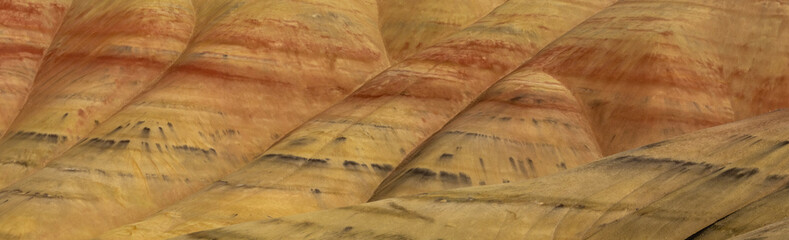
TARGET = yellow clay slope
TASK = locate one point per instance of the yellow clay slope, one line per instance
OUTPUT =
(409, 26)
(27, 28)
(92, 70)
(776, 231)
(254, 71)
(666, 190)
(758, 56)
(644, 71)
(339, 157)
(527, 125)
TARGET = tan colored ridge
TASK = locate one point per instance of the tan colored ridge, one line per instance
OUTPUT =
(409, 26)
(666, 190)
(257, 70)
(92, 70)
(27, 27)
(339, 157)
(527, 125)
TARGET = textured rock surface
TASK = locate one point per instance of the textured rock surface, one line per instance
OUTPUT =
(761, 213)
(757, 55)
(90, 72)
(339, 157)
(408, 26)
(645, 70)
(649, 70)
(254, 71)
(666, 190)
(128, 107)
(26, 30)
(776, 231)
(527, 125)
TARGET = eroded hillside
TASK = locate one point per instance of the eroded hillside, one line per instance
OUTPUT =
(479, 119)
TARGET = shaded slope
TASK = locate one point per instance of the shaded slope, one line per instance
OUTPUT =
(665, 190)
(408, 26)
(777, 231)
(257, 69)
(756, 215)
(27, 27)
(340, 156)
(527, 125)
(92, 70)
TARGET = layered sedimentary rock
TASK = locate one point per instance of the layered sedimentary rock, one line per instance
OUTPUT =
(340, 156)
(526, 125)
(408, 26)
(666, 190)
(757, 55)
(758, 83)
(254, 71)
(138, 104)
(645, 70)
(92, 70)
(27, 28)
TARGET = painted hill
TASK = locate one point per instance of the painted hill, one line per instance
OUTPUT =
(667, 190)
(146, 119)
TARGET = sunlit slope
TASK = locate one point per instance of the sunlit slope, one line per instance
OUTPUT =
(644, 71)
(105, 53)
(26, 30)
(256, 70)
(666, 190)
(527, 125)
(408, 26)
(339, 157)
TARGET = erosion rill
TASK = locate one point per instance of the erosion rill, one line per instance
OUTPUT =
(90, 71)
(339, 157)
(643, 70)
(27, 28)
(527, 125)
(409, 26)
(666, 190)
(254, 71)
